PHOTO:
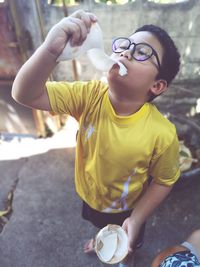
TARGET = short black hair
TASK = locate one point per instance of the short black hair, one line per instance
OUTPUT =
(171, 59)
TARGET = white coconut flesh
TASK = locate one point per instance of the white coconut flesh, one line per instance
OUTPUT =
(122, 248)
(111, 244)
(103, 62)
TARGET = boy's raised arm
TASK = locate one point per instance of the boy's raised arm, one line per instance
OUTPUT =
(29, 85)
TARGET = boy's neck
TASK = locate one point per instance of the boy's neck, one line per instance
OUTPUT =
(123, 106)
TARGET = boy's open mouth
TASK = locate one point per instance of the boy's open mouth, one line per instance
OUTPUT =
(122, 62)
(120, 67)
(115, 66)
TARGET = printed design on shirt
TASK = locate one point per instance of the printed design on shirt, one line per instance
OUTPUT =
(89, 131)
(122, 200)
(124, 195)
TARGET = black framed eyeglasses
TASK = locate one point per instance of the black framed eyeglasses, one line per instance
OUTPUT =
(139, 51)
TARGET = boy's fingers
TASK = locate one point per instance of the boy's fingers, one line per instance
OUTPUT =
(78, 25)
(78, 32)
(75, 29)
(87, 17)
(93, 17)
(130, 247)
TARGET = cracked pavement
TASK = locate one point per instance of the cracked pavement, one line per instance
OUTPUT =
(45, 228)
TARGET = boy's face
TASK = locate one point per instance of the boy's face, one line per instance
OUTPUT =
(141, 75)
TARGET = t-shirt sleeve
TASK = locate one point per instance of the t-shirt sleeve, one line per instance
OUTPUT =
(164, 167)
(70, 97)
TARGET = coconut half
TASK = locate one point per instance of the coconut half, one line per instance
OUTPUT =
(94, 47)
(108, 247)
(111, 244)
(94, 40)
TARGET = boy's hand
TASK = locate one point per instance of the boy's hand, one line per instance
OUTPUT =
(132, 230)
(73, 29)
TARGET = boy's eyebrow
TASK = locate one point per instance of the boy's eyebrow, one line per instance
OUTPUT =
(141, 41)
(144, 42)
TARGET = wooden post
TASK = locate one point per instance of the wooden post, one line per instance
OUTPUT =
(26, 47)
(39, 122)
(74, 65)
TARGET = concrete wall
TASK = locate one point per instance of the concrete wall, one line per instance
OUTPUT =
(181, 20)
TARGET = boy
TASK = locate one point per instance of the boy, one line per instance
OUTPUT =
(122, 139)
(186, 254)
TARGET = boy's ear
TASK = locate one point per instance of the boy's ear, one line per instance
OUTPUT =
(158, 87)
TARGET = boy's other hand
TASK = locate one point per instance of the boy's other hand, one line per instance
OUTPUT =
(132, 230)
(73, 28)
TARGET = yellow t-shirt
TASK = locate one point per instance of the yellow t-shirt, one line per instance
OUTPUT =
(115, 155)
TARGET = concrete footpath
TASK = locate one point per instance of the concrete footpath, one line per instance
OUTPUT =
(45, 228)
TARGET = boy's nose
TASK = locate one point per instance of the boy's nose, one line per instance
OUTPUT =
(127, 54)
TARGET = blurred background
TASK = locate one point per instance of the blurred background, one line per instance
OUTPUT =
(24, 25)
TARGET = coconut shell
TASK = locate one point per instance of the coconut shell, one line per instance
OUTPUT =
(111, 244)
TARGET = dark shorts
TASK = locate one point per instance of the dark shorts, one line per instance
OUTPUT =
(101, 219)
